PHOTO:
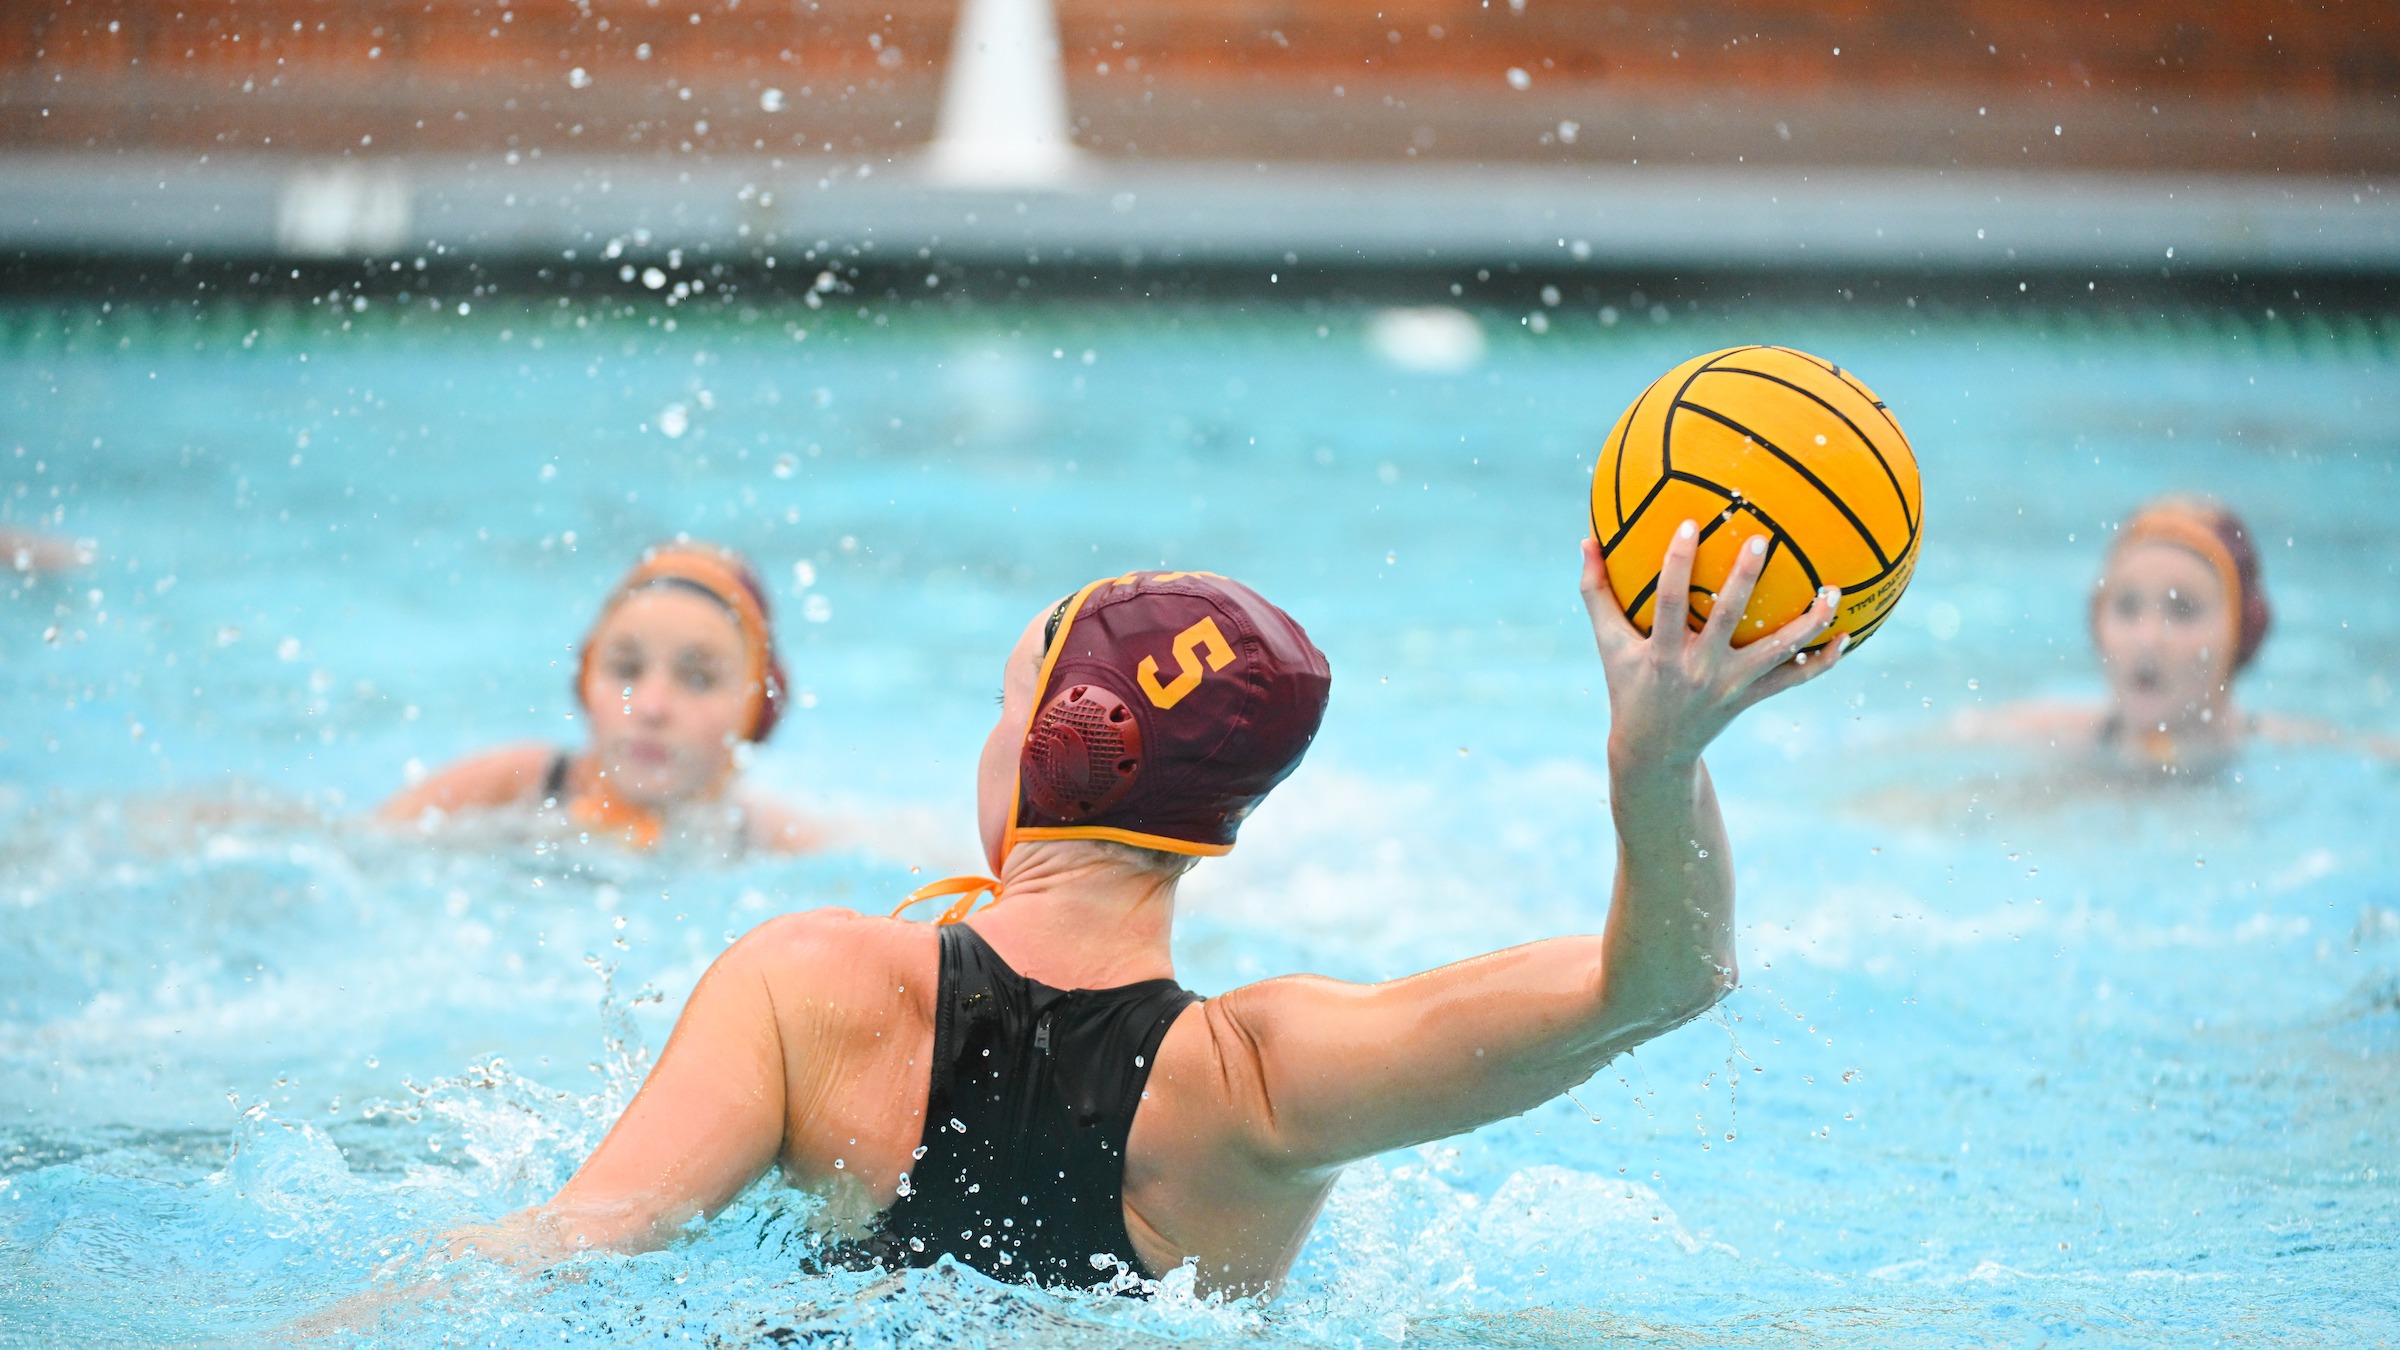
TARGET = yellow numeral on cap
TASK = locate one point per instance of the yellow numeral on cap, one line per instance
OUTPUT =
(1190, 645)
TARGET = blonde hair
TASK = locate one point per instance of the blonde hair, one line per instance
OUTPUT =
(1150, 861)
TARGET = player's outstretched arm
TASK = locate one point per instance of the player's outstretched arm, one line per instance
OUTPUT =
(1339, 1071)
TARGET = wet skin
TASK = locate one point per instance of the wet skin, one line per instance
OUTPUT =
(668, 695)
(2165, 635)
(806, 1045)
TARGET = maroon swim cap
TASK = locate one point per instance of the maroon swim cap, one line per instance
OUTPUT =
(1170, 704)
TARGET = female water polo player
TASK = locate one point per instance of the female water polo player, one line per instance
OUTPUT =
(679, 669)
(1025, 1087)
(2179, 611)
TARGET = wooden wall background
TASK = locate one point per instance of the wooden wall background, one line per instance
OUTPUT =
(2262, 85)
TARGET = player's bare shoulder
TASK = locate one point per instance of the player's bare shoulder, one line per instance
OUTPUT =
(826, 942)
(836, 965)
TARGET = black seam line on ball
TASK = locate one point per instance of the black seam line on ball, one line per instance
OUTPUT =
(1650, 587)
(1666, 460)
(1775, 528)
(1860, 634)
(1873, 545)
(1881, 558)
(1905, 558)
(1863, 439)
(1666, 432)
(1864, 394)
(1617, 475)
(1734, 505)
(1862, 391)
(1639, 510)
(1907, 554)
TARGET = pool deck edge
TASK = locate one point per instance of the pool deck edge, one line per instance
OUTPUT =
(1136, 215)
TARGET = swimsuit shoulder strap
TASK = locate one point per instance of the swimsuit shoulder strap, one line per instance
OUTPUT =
(554, 780)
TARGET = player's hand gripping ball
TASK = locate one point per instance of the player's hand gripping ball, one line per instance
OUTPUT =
(1761, 440)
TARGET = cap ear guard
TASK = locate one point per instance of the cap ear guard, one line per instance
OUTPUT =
(1082, 753)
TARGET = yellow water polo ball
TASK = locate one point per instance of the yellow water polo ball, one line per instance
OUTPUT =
(1761, 441)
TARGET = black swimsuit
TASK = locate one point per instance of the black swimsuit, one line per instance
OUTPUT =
(1022, 1169)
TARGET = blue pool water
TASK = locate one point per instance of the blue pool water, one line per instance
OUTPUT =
(2019, 1058)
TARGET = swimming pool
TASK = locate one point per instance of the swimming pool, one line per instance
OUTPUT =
(2014, 1061)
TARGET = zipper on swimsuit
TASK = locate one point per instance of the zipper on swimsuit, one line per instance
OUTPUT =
(1041, 1033)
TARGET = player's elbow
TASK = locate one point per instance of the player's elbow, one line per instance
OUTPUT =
(1669, 999)
(1704, 989)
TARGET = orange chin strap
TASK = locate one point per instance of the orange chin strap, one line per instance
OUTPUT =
(969, 889)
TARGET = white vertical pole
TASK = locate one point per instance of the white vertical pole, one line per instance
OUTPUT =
(1004, 100)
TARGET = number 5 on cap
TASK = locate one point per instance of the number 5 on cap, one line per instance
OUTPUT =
(1202, 637)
